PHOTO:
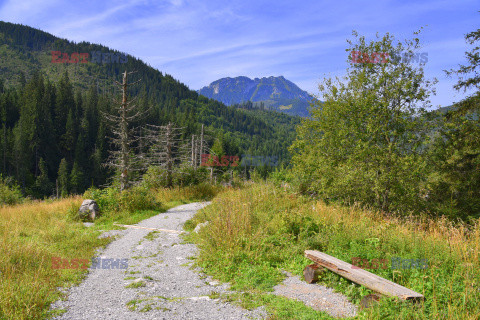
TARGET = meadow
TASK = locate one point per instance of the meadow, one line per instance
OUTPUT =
(256, 232)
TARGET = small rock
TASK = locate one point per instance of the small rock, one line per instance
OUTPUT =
(200, 226)
(199, 298)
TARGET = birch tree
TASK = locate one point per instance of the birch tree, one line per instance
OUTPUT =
(363, 143)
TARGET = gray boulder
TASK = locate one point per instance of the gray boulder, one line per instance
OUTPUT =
(89, 210)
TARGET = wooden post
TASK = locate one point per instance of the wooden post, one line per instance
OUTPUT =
(369, 301)
(311, 272)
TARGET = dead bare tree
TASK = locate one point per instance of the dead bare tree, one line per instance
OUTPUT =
(125, 141)
(198, 146)
(164, 151)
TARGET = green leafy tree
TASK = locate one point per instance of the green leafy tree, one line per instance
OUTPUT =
(9, 192)
(363, 142)
(218, 147)
(454, 159)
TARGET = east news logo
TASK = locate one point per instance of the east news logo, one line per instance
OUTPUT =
(96, 57)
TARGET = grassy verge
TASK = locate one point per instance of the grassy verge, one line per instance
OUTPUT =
(257, 231)
(33, 233)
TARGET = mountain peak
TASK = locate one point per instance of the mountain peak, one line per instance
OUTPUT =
(276, 93)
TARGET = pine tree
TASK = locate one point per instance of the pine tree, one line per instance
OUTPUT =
(22, 80)
(43, 185)
(65, 103)
(92, 116)
(76, 179)
(81, 145)
(98, 157)
(68, 138)
(63, 178)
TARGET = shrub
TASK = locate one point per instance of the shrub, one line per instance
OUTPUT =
(188, 176)
(156, 177)
(137, 198)
(108, 199)
(9, 192)
(113, 200)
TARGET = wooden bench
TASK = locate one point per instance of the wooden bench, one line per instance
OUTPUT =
(360, 276)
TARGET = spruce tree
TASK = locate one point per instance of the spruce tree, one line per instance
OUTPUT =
(65, 103)
(76, 179)
(63, 179)
(68, 138)
(43, 185)
(123, 156)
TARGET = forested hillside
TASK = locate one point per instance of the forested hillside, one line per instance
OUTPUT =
(52, 124)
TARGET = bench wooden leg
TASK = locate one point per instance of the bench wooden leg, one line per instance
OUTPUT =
(311, 272)
(369, 301)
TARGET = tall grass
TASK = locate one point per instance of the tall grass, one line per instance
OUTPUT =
(31, 234)
(256, 232)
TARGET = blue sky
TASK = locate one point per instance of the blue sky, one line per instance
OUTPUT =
(198, 42)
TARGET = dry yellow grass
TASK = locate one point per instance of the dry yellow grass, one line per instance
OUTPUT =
(31, 234)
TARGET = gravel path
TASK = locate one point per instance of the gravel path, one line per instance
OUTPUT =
(157, 282)
(318, 297)
(164, 286)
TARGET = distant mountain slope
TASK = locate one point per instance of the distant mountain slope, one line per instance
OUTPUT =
(276, 93)
(52, 110)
